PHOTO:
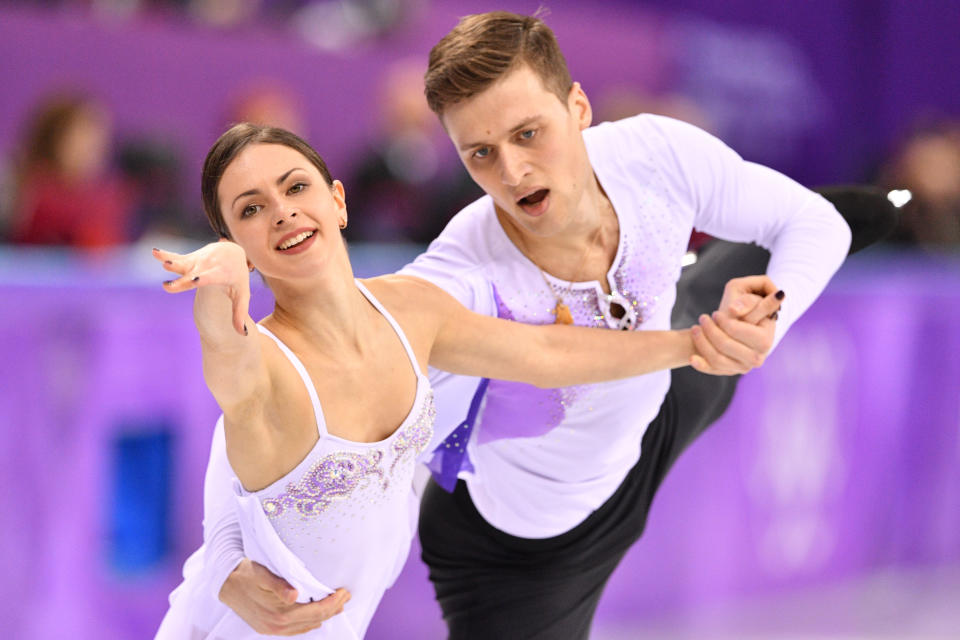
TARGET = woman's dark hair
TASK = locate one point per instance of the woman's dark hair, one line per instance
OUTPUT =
(228, 146)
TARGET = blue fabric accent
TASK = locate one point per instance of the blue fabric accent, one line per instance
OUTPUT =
(450, 456)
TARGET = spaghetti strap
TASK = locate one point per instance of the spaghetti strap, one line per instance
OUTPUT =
(295, 361)
(395, 325)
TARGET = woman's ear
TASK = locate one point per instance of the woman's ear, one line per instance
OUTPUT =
(339, 197)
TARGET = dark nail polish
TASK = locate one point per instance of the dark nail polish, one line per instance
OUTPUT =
(168, 282)
(195, 279)
(155, 249)
(245, 329)
(780, 295)
(774, 315)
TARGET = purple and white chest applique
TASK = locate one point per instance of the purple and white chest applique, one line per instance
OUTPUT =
(337, 476)
(332, 478)
(643, 273)
(412, 441)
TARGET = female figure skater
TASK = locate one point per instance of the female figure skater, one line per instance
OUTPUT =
(325, 402)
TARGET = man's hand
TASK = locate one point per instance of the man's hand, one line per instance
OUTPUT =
(737, 337)
(268, 603)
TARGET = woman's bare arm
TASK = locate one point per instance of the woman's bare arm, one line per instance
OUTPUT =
(233, 362)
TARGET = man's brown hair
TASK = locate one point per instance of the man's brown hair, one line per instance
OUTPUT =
(484, 47)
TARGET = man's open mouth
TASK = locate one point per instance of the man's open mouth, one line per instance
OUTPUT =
(534, 198)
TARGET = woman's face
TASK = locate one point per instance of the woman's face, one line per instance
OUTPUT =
(278, 207)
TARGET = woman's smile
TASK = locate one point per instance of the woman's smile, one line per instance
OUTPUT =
(297, 240)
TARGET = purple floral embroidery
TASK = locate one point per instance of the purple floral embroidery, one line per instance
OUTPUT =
(336, 476)
(417, 435)
(332, 478)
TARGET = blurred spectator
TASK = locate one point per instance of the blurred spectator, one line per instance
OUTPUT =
(7, 194)
(339, 25)
(154, 167)
(928, 164)
(407, 184)
(625, 101)
(225, 13)
(67, 192)
(267, 102)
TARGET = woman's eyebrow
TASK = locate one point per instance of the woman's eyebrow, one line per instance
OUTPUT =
(253, 192)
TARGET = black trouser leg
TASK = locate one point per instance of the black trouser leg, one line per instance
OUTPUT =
(493, 585)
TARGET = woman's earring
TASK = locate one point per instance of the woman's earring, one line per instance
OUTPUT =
(250, 266)
(343, 224)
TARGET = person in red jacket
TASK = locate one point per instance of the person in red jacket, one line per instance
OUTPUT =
(67, 191)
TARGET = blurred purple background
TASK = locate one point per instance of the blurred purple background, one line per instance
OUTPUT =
(818, 89)
(826, 503)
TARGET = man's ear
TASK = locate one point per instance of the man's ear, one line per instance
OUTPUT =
(579, 105)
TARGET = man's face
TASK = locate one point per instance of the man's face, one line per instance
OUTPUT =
(524, 147)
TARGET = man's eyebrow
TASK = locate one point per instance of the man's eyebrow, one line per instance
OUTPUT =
(523, 124)
(253, 192)
(526, 122)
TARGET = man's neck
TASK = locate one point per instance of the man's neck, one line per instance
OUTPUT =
(584, 250)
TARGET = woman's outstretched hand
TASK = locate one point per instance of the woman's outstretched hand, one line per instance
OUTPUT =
(221, 264)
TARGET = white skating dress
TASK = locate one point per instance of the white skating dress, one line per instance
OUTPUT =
(343, 517)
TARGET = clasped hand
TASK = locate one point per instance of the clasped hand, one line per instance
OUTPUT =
(738, 336)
